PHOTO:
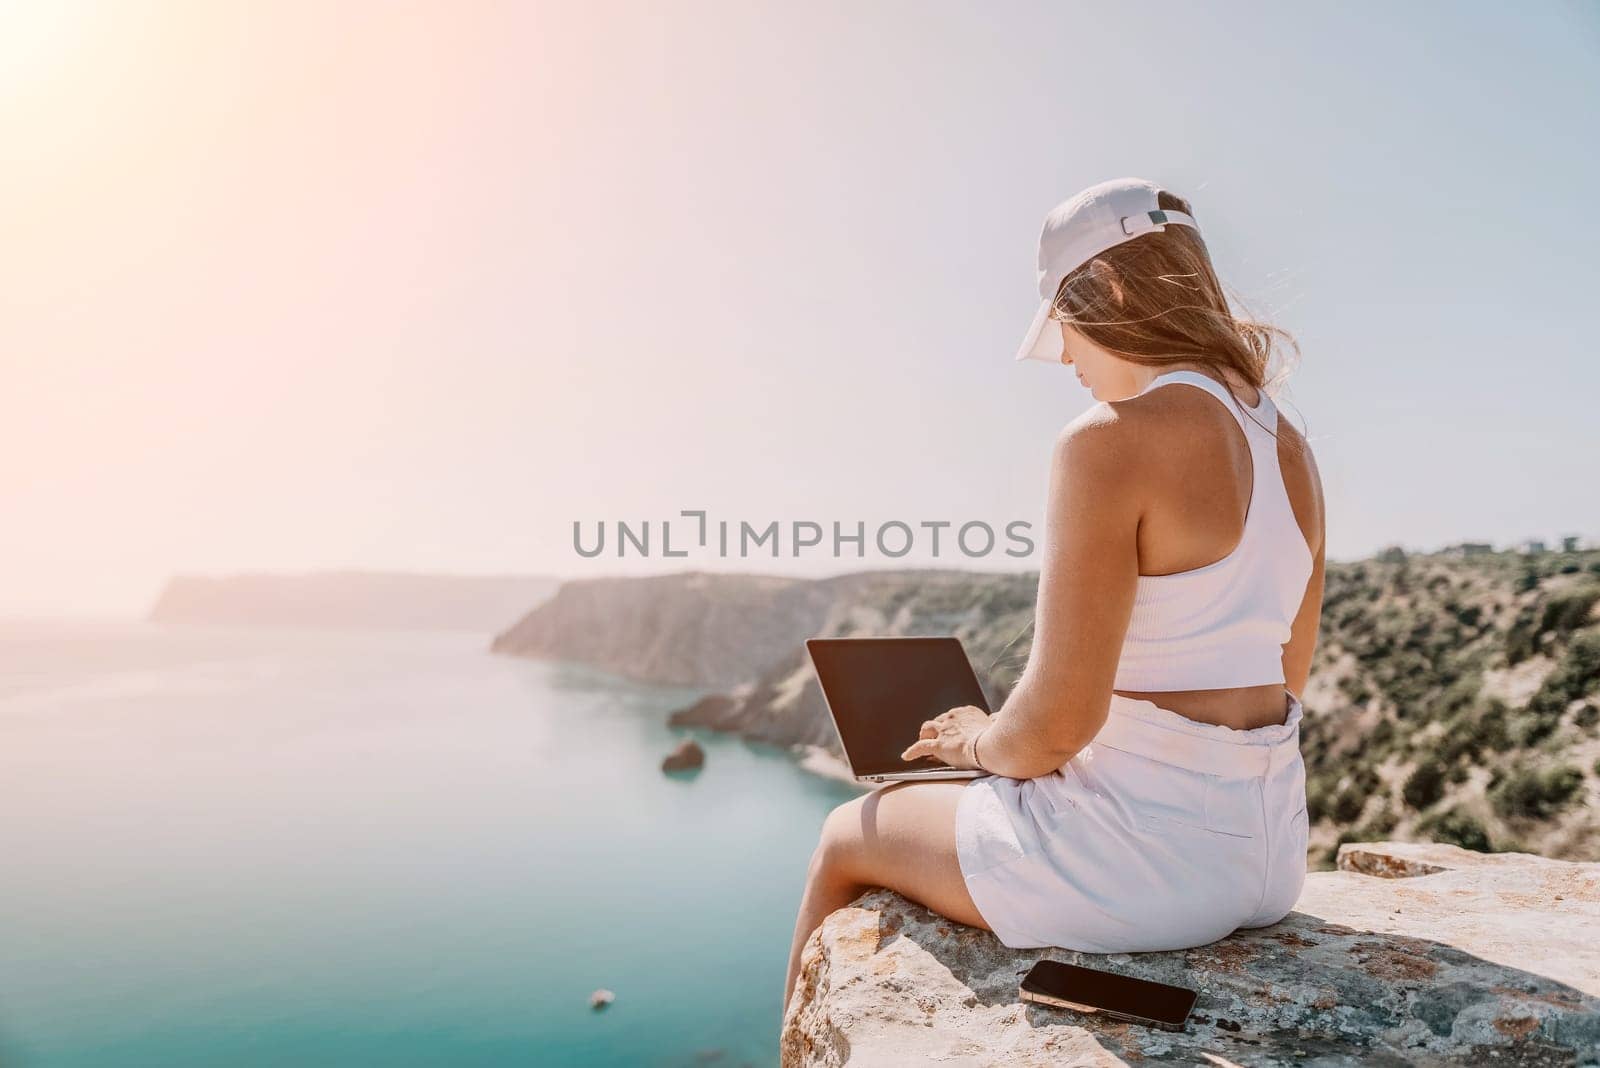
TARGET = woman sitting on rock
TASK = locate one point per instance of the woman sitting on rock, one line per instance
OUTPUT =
(1144, 786)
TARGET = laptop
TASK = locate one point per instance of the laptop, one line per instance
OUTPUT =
(880, 691)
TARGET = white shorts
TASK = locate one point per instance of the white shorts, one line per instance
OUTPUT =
(1164, 833)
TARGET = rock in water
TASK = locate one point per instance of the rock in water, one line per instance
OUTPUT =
(1409, 953)
(601, 998)
(686, 757)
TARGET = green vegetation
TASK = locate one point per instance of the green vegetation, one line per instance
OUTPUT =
(1456, 828)
(1425, 785)
(1525, 793)
(1573, 677)
(1550, 620)
(1431, 730)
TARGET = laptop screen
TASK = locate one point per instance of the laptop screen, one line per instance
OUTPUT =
(881, 690)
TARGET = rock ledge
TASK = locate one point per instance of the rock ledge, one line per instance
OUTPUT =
(1408, 954)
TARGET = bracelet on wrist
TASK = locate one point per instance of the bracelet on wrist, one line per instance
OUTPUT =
(972, 750)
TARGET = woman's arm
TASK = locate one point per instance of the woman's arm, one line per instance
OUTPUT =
(1305, 491)
(1087, 580)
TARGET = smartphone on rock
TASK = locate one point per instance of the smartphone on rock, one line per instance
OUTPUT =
(1122, 997)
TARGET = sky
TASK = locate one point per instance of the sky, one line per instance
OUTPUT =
(419, 286)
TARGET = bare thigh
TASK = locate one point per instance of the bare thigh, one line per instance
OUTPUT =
(903, 836)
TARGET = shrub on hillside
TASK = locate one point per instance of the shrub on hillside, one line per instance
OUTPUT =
(1470, 616)
(1536, 625)
(1574, 676)
(1355, 689)
(1425, 785)
(1529, 794)
(1347, 805)
(1456, 827)
(1568, 610)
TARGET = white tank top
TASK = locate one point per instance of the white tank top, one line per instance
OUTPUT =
(1224, 624)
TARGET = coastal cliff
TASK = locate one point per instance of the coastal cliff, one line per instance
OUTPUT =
(690, 629)
(746, 633)
(1407, 954)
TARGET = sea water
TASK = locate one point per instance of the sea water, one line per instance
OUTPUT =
(242, 846)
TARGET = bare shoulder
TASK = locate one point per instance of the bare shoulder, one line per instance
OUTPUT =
(1101, 434)
(1092, 503)
(1118, 439)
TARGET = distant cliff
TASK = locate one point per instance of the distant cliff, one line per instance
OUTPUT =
(352, 599)
(689, 629)
(718, 630)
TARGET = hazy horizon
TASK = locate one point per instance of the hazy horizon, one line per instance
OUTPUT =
(301, 288)
(144, 611)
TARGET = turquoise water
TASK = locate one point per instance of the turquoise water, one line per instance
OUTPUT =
(242, 847)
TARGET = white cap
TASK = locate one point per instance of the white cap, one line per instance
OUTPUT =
(1079, 229)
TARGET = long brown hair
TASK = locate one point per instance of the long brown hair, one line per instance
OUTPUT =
(1156, 300)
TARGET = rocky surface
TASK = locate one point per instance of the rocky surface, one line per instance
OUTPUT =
(686, 756)
(1407, 954)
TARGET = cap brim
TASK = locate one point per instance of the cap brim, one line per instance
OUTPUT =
(1044, 337)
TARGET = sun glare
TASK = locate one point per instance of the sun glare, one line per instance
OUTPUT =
(37, 41)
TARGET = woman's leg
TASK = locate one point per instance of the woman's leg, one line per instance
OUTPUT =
(901, 836)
